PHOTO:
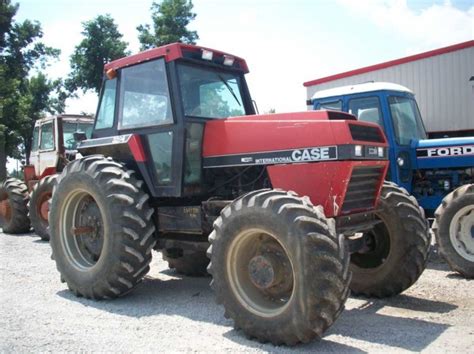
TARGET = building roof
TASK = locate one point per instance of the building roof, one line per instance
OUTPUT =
(390, 63)
(359, 88)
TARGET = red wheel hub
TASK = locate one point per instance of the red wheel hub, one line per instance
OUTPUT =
(43, 206)
(5, 210)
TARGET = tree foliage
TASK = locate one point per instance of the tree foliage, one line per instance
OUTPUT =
(23, 98)
(170, 20)
(102, 43)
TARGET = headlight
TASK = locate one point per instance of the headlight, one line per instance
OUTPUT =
(400, 161)
(358, 150)
(207, 54)
(380, 151)
(447, 185)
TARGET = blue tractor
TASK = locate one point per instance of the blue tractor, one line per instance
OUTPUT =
(438, 172)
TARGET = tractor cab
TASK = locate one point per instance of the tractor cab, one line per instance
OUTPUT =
(53, 142)
(391, 106)
(164, 96)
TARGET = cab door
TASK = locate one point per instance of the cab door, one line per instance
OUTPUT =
(48, 154)
(145, 108)
(34, 156)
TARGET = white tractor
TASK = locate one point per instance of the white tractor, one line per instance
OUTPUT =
(26, 203)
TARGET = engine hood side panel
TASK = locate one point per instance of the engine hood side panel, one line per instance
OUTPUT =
(445, 153)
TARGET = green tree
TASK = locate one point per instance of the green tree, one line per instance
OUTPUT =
(7, 12)
(21, 51)
(102, 43)
(170, 20)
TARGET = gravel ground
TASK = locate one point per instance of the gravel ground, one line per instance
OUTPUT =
(172, 313)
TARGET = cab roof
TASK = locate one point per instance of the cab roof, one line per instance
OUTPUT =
(79, 118)
(172, 52)
(360, 88)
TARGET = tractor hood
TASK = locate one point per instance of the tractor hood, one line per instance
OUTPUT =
(444, 153)
(335, 160)
(289, 138)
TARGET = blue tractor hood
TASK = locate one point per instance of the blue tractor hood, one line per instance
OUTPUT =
(444, 153)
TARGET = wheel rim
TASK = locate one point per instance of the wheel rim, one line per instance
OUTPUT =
(260, 273)
(82, 230)
(42, 206)
(461, 232)
(377, 249)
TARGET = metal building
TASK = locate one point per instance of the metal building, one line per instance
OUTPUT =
(442, 80)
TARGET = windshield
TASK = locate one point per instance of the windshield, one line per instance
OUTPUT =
(209, 93)
(69, 128)
(406, 120)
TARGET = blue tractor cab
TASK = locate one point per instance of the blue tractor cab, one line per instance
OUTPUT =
(436, 171)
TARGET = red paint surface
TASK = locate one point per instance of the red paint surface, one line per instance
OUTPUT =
(325, 183)
(29, 173)
(170, 52)
(274, 132)
(48, 171)
(44, 209)
(136, 148)
(390, 63)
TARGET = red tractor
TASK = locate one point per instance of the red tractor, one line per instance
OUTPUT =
(286, 205)
(25, 203)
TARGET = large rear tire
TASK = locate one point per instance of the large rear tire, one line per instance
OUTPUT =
(396, 249)
(454, 230)
(13, 206)
(38, 205)
(191, 263)
(101, 229)
(278, 267)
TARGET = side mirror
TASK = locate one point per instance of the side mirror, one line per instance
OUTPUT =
(79, 136)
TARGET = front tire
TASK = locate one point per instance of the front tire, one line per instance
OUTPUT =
(101, 229)
(278, 267)
(13, 206)
(396, 249)
(39, 205)
(454, 230)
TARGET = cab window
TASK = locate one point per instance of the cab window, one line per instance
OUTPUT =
(208, 93)
(406, 120)
(69, 128)
(161, 145)
(105, 116)
(331, 106)
(366, 109)
(144, 95)
(47, 137)
(34, 145)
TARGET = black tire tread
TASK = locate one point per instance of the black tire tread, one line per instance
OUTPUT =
(410, 216)
(17, 192)
(456, 264)
(190, 264)
(325, 257)
(43, 185)
(135, 252)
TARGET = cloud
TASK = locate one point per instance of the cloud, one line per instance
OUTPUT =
(434, 26)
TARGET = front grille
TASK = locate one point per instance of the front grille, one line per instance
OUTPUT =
(366, 133)
(362, 188)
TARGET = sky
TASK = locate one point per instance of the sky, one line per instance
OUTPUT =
(285, 42)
